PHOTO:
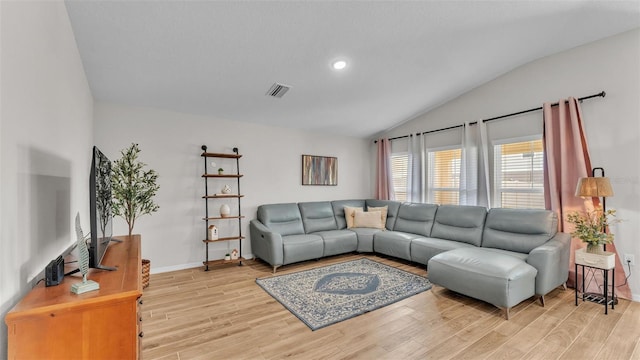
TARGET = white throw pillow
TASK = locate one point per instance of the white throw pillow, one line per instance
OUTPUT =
(383, 213)
(349, 213)
(369, 219)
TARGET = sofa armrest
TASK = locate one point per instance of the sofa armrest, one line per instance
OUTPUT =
(266, 244)
(551, 259)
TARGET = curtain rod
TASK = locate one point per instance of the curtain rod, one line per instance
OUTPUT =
(600, 94)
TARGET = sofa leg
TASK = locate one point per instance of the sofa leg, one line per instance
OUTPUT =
(542, 300)
(274, 269)
(564, 286)
(506, 313)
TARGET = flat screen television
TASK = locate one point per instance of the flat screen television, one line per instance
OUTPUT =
(101, 211)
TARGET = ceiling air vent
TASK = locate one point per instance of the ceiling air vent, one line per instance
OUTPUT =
(278, 90)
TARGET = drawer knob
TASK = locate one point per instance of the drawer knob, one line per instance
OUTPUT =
(141, 334)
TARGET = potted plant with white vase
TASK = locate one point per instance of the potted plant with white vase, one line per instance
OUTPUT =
(133, 190)
(592, 228)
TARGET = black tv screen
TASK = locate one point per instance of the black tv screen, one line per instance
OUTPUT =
(101, 213)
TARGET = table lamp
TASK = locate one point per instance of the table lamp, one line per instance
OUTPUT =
(595, 187)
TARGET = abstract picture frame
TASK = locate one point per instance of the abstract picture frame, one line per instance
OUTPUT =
(319, 170)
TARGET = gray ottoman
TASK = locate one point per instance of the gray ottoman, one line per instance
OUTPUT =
(496, 278)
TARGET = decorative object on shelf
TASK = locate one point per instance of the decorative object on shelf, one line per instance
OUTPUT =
(83, 263)
(596, 187)
(591, 228)
(213, 232)
(225, 210)
(234, 254)
(227, 256)
(133, 188)
(226, 189)
(319, 170)
(220, 171)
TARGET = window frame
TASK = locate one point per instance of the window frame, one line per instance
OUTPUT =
(405, 156)
(431, 173)
(497, 173)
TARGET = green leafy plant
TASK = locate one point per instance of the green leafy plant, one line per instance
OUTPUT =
(591, 226)
(133, 188)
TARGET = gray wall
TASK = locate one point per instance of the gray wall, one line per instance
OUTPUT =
(45, 140)
(271, 164)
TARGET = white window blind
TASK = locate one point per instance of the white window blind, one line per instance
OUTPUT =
(444, 176)
(399, 163)
(518, 174)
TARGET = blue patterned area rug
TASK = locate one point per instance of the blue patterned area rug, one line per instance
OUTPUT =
(330, 294)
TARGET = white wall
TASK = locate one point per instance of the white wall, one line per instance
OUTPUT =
(46, 136)
(612, 124)
(271, 164)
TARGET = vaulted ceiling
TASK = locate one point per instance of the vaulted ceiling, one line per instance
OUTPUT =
(219, 58)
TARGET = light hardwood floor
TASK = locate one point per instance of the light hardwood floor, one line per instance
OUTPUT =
(223, 314)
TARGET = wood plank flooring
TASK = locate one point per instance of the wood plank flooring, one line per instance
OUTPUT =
(223, 314)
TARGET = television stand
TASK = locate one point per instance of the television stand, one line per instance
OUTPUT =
(109, 268)
(97, 325)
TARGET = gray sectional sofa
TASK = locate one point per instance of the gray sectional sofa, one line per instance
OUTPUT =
(501, 256)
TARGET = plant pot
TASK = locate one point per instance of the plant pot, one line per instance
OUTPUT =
(595, 249)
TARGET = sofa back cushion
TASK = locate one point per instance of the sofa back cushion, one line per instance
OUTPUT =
(338, 210)
(317, 216)
(459, 223)
(415, 218)
(519, 230)
(284, 219)
(392, 210)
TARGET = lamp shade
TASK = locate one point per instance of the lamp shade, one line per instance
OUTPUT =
(594, 187)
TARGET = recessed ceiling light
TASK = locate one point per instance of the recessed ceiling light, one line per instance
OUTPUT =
(339, 65)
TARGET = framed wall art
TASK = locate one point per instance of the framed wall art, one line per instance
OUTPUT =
(319, 170)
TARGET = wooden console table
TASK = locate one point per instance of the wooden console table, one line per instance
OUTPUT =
(53, 323)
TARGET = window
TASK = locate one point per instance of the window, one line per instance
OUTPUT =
(399, 164)
(518, 174)
(444, 176)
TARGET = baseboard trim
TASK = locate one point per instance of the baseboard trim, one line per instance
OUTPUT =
(165, 269)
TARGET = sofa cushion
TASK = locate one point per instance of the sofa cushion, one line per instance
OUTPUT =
(338, 210)
(394, 243)
(365, 238)
(317, 216)
(301, 247)
(423, 249)
(498, 279)
(392, 209)
(338, 241)
(459, 223)
(415, 218)
(519, 230)
(284, 219)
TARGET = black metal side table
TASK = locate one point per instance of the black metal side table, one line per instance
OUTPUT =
(589, 274)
